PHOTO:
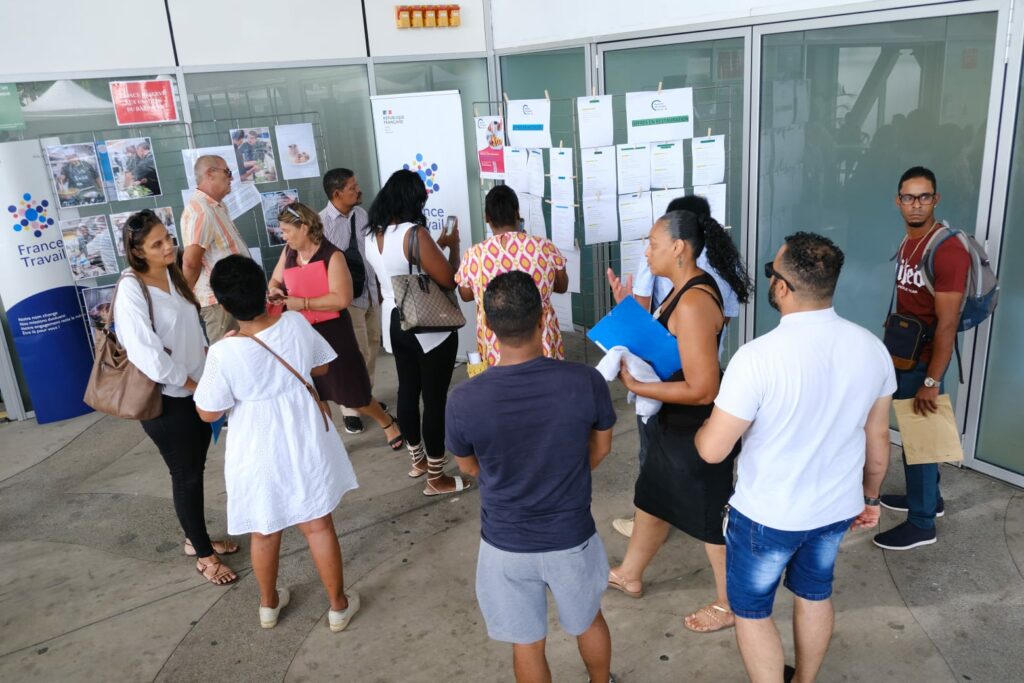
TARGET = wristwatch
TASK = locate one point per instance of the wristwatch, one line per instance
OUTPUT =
(930, 383)
(872, 501)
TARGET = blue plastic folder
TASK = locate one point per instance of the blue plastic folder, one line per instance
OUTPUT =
(629, 325)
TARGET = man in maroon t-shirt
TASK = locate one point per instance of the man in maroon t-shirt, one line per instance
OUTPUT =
(917, 198)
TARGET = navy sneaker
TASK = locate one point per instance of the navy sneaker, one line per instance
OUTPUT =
(899, 504)
(904, 537)
(353, 425)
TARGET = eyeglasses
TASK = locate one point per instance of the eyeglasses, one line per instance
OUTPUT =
(224, 170)
(926, 198)
(770, 272)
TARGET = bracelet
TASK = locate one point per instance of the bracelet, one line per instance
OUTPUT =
(872, 501)
(305, 303)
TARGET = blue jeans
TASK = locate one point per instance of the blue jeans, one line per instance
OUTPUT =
(756, 557)
(922, 480)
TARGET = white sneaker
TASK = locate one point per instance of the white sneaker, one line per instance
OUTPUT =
(624, 526)
(338, 620)
(268, 615)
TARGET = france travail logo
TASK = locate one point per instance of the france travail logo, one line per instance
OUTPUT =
(426, 171)
(29, 216)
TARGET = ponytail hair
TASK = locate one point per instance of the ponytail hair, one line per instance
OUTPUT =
(701, 232)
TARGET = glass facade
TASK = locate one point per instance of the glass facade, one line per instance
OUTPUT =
(844, 112)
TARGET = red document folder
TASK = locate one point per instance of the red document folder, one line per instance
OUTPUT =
(310, 281)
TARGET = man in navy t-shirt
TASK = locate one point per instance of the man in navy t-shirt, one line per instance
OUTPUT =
(531, 429)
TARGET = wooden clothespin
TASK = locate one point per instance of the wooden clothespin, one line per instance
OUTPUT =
(709, 132)
(505, 94)
(476, 110)
(593, 91)
(559, 144)
(659, 87)
(546, 95)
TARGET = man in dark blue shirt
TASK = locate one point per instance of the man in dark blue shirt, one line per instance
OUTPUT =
(532, 428)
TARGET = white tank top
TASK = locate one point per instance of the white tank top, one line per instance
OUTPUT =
(388, 263)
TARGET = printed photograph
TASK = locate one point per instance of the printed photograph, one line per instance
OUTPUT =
(76, 175)
(225, 152)
(97, 305)
(133, 168)
(255, 155)
(89, 247)
(117, 221)
(298, 151)
(273, 204)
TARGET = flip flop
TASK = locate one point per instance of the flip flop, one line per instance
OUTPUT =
(618, 583)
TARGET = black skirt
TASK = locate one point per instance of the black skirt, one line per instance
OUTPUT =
(346, 383)
(675, 484)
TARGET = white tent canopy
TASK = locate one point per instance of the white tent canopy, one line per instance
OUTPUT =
(66, 98)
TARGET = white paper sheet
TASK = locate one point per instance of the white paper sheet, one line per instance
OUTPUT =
(715, 194)
(529, 123)
(635, 215)
(535, 172)
(562, 305)
(563, 226)
(598, 167)
(652, 116)
(783, 103)
(660, 200)
(256, 254)
(296, 147)
(243, 196)
(633, 164)
(516, 176)
(667, 164)
(531, 208)
(572, 268)
(490, 145)
(563, 189)
(631, 255)
(708, 160)
(594, 117)
(600, 219)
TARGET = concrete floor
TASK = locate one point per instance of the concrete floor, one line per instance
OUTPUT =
(95, 587)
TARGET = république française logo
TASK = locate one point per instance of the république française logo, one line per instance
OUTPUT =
(390, 118)
(426, 171)
(29, 216)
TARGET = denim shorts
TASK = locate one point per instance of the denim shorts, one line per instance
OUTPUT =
(757, 555)
(512, 589)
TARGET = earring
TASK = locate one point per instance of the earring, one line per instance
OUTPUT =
(679, 261)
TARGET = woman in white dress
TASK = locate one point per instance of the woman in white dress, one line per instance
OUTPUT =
(156, 317)
(285, 464)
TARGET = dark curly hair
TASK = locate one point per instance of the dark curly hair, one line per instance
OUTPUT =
(401, 200)
(814, 262)
(701, 232)
(513, 307)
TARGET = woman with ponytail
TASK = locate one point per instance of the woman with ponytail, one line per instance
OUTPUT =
(676, 487)
(160, 329)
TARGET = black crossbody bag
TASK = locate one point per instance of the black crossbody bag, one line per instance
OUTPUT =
(354, 259)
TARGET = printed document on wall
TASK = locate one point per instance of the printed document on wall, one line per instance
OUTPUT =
(634, 168)
(598, 166)
(594, 117)
(660, 199)
(652, 116)
(572, 268)
(490, 146)
(531, 209)
(529, 123)
(562, 305)
(635, 215)
(562, 187)
(600, 220)
(632, 255)
(709, 160)
(715, 194)
(563, 226)
(516, 177)
(535, 172)
(667, 164)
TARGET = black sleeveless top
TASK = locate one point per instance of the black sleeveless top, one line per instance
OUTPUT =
(673, 415)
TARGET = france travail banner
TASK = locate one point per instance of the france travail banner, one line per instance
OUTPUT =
(36, 287)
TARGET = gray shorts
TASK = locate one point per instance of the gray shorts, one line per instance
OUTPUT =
(512, 589)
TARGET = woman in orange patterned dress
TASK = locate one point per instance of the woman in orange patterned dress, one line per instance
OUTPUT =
(511, 249)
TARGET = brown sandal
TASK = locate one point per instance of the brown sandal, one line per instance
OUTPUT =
(714, 618)
(620, 583)
(216, 572)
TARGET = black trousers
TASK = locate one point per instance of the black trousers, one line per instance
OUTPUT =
(183, 440)
(427, 375)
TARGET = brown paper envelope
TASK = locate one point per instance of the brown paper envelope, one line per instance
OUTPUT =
(928, 438)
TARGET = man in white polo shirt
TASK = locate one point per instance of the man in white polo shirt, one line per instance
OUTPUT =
(811, 401)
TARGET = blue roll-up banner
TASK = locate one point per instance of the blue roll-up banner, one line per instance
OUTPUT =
(36, 287)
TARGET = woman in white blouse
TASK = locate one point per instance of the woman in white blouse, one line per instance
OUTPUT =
(425, 361)
(170, 349)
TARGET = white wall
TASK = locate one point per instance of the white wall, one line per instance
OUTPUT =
(519, 23)
(388, 41)
(210, 32)
(51, 36)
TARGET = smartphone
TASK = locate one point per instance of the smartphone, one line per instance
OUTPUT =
(449, 225)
